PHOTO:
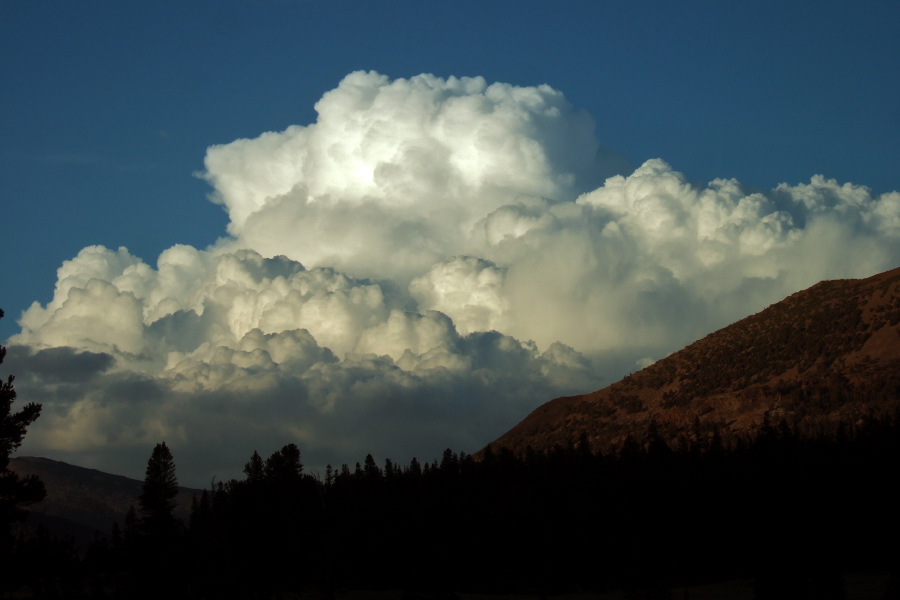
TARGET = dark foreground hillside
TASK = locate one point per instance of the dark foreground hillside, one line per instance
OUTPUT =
(793, 517)
(89, 500)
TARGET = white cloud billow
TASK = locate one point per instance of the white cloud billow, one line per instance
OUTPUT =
(404, 167)
(418, 269)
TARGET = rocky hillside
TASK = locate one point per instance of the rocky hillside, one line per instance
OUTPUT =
(827, 355)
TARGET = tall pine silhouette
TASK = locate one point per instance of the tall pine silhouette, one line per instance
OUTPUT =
(158, 494)
(15, 492)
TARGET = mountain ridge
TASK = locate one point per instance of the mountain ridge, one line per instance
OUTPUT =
(89, 498)
(821, 356)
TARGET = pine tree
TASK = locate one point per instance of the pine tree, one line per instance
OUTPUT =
(15, 492)
(283, 467)
(157, 548)
(371, 469)
(415, 469)
(158, 494)
(254, 469)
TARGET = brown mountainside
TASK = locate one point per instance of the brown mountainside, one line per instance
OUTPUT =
(828, 354)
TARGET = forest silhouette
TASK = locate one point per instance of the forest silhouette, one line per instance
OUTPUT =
(791, 511)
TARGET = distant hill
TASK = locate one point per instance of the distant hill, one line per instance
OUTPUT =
(823, 356)
(81, 500)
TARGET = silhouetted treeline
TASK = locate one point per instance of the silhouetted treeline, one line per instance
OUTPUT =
(790, 509)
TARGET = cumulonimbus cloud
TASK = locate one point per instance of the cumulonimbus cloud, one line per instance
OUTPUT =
(419, 268)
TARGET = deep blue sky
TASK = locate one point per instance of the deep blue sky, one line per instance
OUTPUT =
(108, 107)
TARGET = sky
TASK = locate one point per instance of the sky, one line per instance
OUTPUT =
(398, 227)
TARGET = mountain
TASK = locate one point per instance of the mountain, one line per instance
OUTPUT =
(80, 501)
(824, 356)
